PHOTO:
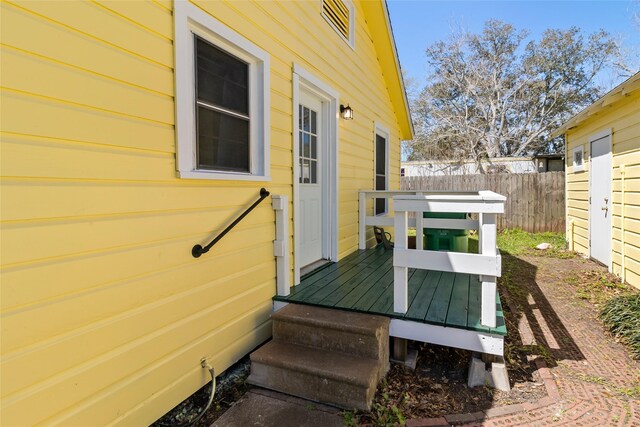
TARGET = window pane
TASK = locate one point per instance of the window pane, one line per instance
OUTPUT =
(314, 121)
(300, 113)
(314, 143)
(300, 139)
(305, 119)
(305, 145)
(300, 171)
(381, 182)
(223, 141)
(306, 172)
(222, 79)
(380, 206)
(381, 155)
(314, 176)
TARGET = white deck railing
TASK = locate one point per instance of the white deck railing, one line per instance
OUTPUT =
(486, 263)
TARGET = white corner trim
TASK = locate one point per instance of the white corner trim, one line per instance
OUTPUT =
(190, 20)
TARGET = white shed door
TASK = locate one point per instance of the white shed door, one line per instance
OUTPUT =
(311, 144)
(600, 211)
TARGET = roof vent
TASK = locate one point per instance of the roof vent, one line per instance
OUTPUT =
(338, 13)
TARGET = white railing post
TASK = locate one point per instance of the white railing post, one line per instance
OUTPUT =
(419, 228)
(281, 244)
(362, 220)
(487, 243)
(400, 274)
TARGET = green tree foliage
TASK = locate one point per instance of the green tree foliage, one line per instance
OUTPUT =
(492, 94)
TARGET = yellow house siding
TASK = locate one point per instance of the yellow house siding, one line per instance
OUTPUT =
(105, 314)
(623, 118)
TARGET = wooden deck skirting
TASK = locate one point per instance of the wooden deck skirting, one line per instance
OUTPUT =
(444, 307)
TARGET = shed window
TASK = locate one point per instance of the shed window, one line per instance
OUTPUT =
(222, 98)
(340, 14)
(578, 158)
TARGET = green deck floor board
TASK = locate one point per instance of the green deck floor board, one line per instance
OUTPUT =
(475, 300)
(351, 298)
(415, 282)
(313, 284)
(372, 294)
(368, 274)
(420, 304)
(437, 312)
(459, 305)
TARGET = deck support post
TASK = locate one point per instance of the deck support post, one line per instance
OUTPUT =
(281, 244)
(400, 274)
(488, 246)
(399, 349)
(362, 220)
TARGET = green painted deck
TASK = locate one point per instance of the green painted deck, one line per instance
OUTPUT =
(363, 282)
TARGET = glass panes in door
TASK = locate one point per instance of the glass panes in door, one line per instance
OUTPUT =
(308, 145)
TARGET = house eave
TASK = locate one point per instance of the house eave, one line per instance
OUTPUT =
(607, 101)
(377, 16)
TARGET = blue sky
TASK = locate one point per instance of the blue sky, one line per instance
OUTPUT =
(419, 23)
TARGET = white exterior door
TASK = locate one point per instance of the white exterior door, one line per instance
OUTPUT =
(600, 205)
(312, 142)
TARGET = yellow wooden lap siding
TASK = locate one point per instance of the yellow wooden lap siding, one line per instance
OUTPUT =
(623, 118)
(105, 314)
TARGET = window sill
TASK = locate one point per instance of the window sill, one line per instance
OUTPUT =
(219, 176)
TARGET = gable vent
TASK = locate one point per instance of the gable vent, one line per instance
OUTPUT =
(337, 13)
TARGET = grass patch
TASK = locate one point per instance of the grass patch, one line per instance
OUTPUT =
(622, 316)
(518, 242)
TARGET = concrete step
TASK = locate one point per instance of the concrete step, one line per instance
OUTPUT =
(333, 330)
(335, 378)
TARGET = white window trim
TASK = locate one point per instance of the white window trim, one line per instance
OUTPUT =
(576, 167)
(382, 130)
(189, 20)
(303, 79)
(351, 41)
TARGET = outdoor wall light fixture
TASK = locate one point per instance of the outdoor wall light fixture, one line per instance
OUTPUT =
(346, 112)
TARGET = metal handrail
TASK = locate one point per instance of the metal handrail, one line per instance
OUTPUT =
(198, 250)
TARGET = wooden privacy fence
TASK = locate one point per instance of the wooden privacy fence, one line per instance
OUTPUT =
(535, 201)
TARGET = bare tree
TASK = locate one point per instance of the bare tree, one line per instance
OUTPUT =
(490, 96)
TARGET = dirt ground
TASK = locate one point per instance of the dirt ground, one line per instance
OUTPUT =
(531, 281)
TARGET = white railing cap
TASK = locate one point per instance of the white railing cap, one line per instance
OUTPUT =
(446, 195)
(454, 196)
(463, 201)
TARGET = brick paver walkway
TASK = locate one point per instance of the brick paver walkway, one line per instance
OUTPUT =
(590, 379)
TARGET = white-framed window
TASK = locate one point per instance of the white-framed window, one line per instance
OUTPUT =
(577, 154)
(222, 100)
(381, 136)
(341, 15)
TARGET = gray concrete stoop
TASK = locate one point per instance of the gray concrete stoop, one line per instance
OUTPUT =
(328, 356)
